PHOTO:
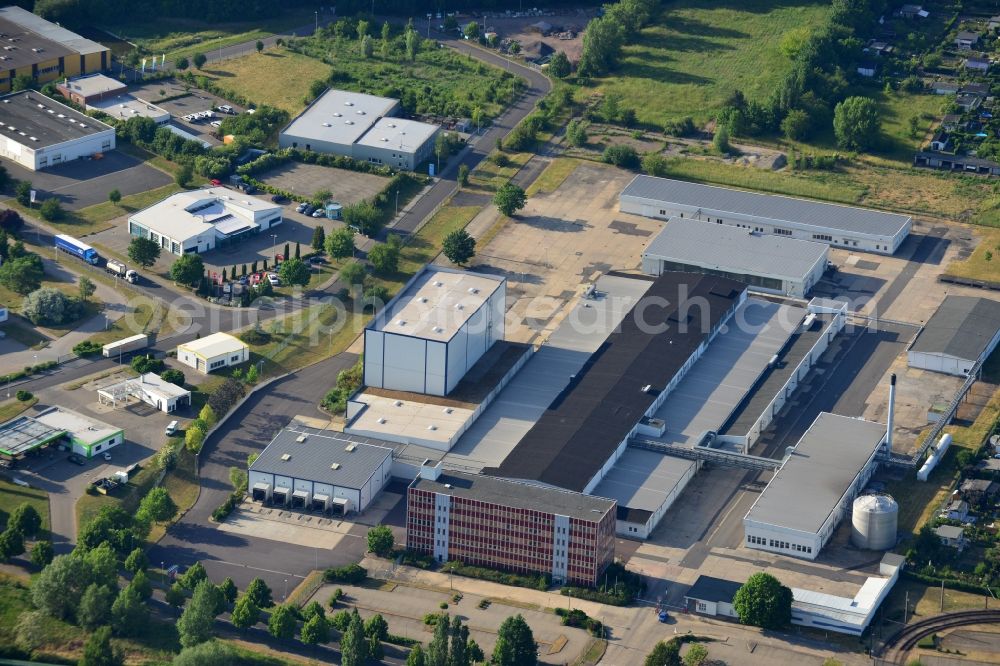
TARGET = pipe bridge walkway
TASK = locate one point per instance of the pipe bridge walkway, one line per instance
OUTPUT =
(727, 458)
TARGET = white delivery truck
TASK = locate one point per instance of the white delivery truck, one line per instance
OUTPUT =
(121, 270)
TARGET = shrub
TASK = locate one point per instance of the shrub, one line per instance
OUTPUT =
(51, 307)
(24, 396)
(540, 582)
(619, 587)
(352, 574)
(621, 156)
(86, 348)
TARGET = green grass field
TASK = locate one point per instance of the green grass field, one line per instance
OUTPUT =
(11, 496)
(699, 51)
(265, 77)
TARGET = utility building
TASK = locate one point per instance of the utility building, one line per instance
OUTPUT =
(219, 350)
(87, 436)
(771, 264)
(840, 226)
(427, 337)
(813, 490)
(963, 331)
(38, 132)
(510, 525)
(149, 388)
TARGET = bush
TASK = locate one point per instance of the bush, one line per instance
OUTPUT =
(619, 587)
(540, 582)
(51, 210)
(621, 156)
(680, 128)
(24, 396)
(172, 376)
(51, 307)
(144, 364)
(255, 336)
(352, 574)
(86, 348)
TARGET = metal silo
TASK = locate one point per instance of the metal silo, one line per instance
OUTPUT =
(874, 520)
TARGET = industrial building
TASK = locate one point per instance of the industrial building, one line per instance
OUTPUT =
(149, 388)
(38, 132)
(712, 596)
(767, 263)
(43, 50)
(840, 226)
(364, 127)
(98, 92)
(813, 490)
(23, 435)
(326, 471)
(219, 350)
(202, 220)
(962, 332)
(86, 436)
(509, 525)
(427, 337)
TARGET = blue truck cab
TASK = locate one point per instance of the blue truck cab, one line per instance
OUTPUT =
(77, 248)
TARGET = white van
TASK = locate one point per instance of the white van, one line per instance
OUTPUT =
(171, 429)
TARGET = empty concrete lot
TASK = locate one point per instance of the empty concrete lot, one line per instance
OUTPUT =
(305, 180)
(83, 183)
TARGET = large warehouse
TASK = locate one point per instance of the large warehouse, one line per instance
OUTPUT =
(38, 132)
(499, 523)
(317, 470)
(839, 226)
(962, 331)
(771, 264)
(361, 126)
(427, 337)
(201, 220)
(43, 50)
(806, 499)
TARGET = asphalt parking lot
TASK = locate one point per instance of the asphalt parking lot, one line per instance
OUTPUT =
(193, 101)
(347, 187)
(83, 183)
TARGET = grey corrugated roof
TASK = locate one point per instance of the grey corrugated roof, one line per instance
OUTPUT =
(710, 588)
(312, 459)
(962, 326)
(517, 494)
(770, 206)
(807, 488)
(339, 116)
(736, 250)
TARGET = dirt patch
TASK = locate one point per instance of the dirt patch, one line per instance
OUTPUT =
(566, 34)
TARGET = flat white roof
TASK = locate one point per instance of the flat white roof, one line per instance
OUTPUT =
(399, 133)
(404, 419)
(93, 84)
(79, 427)
(150, 383)
(437, 304)
(126, 106)
(643, 479)
(214, 345)
(185, 215)
(340, 116)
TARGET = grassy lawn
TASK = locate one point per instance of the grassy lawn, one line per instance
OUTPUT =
(11, 496)
(553, 176)
(925, 600)
(698, 52)
(308, 336)
(127, 498)
(978, 266)
(488, 176)
(183, 485)
(265, 77)
(23, 331)
(14, 407)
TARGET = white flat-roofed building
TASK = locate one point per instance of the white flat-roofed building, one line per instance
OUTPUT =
(434, 330)
(38, 132)
(87, 436)
(150, 388)
(126, 106)
(92, 88)
(201, 220)
(837, 225)
(408, 421)
(767, 263)
(314, 470)
(813, 490)
(218, 350)
(364, 127)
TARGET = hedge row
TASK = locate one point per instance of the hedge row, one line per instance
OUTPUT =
(950, 583)
(541, 582)
(27, 372)
(353, 574)
(285, 155)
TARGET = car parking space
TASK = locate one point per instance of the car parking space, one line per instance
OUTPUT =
(83, 183)
(305, 180)
(182, 102)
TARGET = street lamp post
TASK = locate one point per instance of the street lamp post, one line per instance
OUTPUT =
(397, 202)
(317, 21)
(274, 241)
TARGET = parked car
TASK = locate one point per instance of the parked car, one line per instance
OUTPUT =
(171, 429)
(663, 616)
(301, 207)
(309, 209)
(77, 459)
(215, 182)
(279, 199)
(317, 260)
(243, 279)
(225, 108)
(107, 456)
(274, 280)
(319, 212)
(216, 123)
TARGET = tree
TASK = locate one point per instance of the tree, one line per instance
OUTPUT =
(471, 30)
(184, 174)
(352, 272)
(142, 585)
(437, 649)
(914, 124)
(259, 593)
(58, 588)
(353, 645)
(795, 125)
(11, 221)
(856, 123)
(381, 541)
(85, 288)
(576, 133)
(720, 141)
(22, 192)
(245, 613)
(42, 554)
(25, 519)
(188, 270)
(559, 65)
(208, 416)
(310, 609)
(175, 595)
(458, 652)
(199, 60)
(173, 376)
(602, 44)
(459, 247)
(377, 627)
(763, 602)
(22, 82)
(412, 39)
(157, 506)
(367, 46)
(298, 250)
(696, 655)
(621, 156)
(515, 644)
(129, 613)
(51, 210)
(386, 32)
(115, 197)
(294, 271)
(228, 589)
(95, 606)
(143, 251)
(182, 63)
(416, 656)
(665, 653)
(317, 630)
(509, 199)
(196, 622)
(319, 238)
(193, 576)
(136, 561)
(98, 650)
(49, 306)
(340, 243)
(11, 544)
(259, 46)
(384, 257)
(22, 275)
(282, 623)
(463, 174)
(251, 376)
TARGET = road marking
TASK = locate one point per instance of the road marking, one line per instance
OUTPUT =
(247, 566)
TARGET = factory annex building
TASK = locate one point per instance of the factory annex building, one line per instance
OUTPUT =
(44, 51)
(38, 132)
(361, 126)
(839, 226)
(962, 332)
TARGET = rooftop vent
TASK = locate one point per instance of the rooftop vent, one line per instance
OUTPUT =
(61, 115)
(286, 456)
(82, 126)
(300, 439)
(398, 403)
(473, 290)
(401, 322)
(423, 299)
(447, 410)
(459, 306)
(438, 283)
(432, 427)
(348, 103)
(349, 122)
(6, 101)
(34, 138)
(361, 112)
(438, 329)
(41, 106)
(327, 125)
(335, 466)
(385, 138)
(447, 485)
(337, 114)
(350, 447)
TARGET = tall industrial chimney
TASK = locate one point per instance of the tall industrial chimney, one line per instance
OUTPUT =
(892, 409)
